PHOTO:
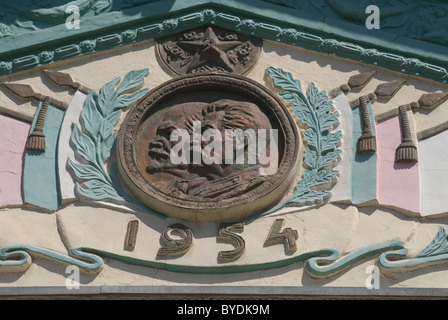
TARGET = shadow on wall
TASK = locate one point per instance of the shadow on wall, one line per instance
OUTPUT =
(31, 15)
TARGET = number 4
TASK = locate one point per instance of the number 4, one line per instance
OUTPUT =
(288, 236)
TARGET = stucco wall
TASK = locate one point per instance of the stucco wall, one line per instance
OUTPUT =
(340, 226)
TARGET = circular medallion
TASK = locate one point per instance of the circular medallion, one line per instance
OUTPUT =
(210, 147)
(209, 49)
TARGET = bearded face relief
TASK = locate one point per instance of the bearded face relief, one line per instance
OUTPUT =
(160, 147)
(214, 152)
(209, 148)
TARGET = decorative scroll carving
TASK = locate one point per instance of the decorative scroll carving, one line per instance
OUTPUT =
(321, 263)
(19, 258)
(225, 233)
(175, 246)
(261, 27)
(207, 50)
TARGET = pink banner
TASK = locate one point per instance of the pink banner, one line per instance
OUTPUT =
(398, 182)
(13, 136)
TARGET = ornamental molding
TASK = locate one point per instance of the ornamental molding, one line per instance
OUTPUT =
(177, 245)
(179, 18)
(234, 90)
(269, 237)
(209, 49)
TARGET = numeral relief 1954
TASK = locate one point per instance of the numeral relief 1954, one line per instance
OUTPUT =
(177, 239)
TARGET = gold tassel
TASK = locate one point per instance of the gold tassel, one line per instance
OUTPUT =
(36, 140)
(407, 150)
(367, 141)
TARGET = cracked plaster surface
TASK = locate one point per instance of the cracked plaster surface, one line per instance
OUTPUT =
(339, 226)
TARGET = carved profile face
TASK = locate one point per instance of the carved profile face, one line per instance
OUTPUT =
(191, 148)
(160, 147)
(209, 142)
(221, 119)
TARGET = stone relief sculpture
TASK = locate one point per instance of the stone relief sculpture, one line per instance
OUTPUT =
(206, 143)
(214, 180)
(318, 119)
(220, 115)
(209, 49)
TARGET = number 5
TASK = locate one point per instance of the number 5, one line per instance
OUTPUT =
(288, 236)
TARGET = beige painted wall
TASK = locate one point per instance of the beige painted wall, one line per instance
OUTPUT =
(326, 71)
(342, 227)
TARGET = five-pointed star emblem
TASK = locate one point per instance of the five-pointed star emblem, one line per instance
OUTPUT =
(209, 51)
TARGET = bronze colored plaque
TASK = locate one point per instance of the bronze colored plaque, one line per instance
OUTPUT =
(209, 49)
(209, 184)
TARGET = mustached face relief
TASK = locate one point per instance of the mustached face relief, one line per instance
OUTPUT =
(224, 146)
(225, 138)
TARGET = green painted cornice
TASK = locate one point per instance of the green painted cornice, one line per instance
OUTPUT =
(252, 17)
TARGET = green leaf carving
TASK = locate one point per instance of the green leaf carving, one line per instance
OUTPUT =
(284, 80)
(315, 112)
(107, 94)
(107, 147)
(85, 171)
(132, 80)
(91, 116)
(328, 141)
(84, 144)
(98, 190)
(328, 159)
(438, 246)
(311, 138)
(127, 99)
(95, 141)
(108, 124)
